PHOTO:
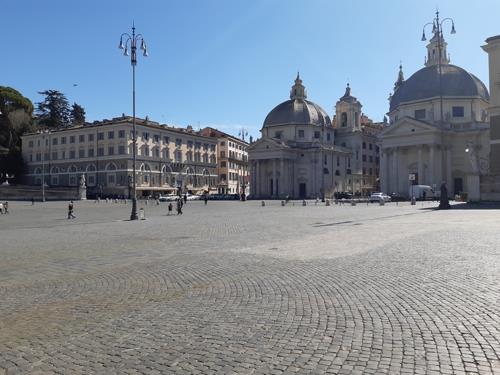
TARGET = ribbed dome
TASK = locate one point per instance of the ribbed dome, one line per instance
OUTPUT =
(297, 111)
(424, 84)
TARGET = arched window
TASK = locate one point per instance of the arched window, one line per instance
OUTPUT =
(343, 119)
(111, 174)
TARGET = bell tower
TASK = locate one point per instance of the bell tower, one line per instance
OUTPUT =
(348, 112)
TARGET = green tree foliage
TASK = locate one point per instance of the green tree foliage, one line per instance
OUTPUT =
(15, 119)
(54, 111)
(77, 114)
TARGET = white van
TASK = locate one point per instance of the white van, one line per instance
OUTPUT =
(421, 192)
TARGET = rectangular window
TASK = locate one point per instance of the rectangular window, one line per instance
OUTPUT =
(278, 134)
(364, 146)
(223, 164)
(212, 147)
(419, 114)
(370, 159)
(338, 161)
(81, 153)
(54, 141)
(364, 157)
(31, 157)
(317, 134)
(54, 155)
(81, 138)
(328, 136)
(121, 150)
(100, 136)
(90, 152)
(100, 151)
(111, 134)
(63, 140)
(166, 140)
(91, 180)
(458, 111)
(222, 154)
(72, 154)
(121, 133)
(156, 138)
(197, 145)
(111, 150)
(156, 152)
(178, 141)
(30, 144)
(223, 143)
(371, 170)
(38, 157)
(190, 144)
(178, 155)
(71, 139)
(91, 137)
(145, 136)
(205, 146)
(370, 146)
(63, 154)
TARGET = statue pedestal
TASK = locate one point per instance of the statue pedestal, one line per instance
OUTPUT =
(82, 193)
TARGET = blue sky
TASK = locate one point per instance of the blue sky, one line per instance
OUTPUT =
(227, 63)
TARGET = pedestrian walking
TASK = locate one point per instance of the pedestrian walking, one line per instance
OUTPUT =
(71, 214)
(170, 207)
(179, 206)
(6, 207)
(185, 197)
(205, 198)
(32, 201)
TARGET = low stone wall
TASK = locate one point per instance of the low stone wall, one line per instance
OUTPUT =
(26, 192)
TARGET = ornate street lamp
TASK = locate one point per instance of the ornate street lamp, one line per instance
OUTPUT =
(130, 41)
(437, 29)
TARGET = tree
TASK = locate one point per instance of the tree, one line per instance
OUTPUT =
(15, 119)
(54, 111)
(77, 114)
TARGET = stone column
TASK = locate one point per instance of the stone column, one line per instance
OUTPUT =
(282, 177)
(449, 182)
(395, 177)
(256, 178)
(383, 171)
(420, 166)
(275, 191)
(432, 179)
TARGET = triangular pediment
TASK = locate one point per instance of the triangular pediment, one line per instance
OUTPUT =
(265, 144)
(408, 126)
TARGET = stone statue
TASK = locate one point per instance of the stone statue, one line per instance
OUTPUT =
(444, 203)
(82, 188)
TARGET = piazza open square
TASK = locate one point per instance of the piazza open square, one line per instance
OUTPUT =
(238, 288)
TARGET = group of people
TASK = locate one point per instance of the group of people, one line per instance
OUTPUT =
(4, 208)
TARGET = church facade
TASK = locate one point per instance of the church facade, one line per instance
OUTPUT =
(438, 129)
(296, 155)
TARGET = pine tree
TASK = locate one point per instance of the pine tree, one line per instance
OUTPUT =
(54, 111)
(77, 114)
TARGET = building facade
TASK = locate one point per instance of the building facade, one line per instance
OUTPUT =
(296, 155)
(167, 158)
(232, 162)
(359, 134)
(439, 129)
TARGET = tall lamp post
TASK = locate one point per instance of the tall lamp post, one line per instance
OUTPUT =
(44, 149)
(130, 41)
(437, 29)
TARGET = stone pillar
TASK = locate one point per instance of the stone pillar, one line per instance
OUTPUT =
(420, 166)
(432, 178)
(282, 177)
(256, 189)
(394, 176)
(449, 182)
(383, 171)
(275, 191)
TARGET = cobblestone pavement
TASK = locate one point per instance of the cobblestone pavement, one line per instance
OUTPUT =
(236, 288)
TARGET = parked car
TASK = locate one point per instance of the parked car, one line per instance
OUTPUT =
(342, 195)
(395, 197)
(377, 197)
(421, 192)
(168, 198)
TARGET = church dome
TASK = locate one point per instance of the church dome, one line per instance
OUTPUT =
(297, 110)
(424, 84)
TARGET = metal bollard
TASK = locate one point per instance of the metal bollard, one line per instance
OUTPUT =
(263, 203)
(304, 202)
(283, 203)
(142, 214)
(327, 202)
(413, 201)
(353, 203)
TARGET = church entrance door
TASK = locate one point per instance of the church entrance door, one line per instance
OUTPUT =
(302, 190)
(458, 186)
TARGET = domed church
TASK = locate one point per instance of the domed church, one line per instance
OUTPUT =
(438, 129)
(296, 155)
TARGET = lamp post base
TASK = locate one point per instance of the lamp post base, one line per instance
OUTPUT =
(133, 214)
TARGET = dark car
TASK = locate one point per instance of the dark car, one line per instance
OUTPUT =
(342, 195)
(395, 197)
